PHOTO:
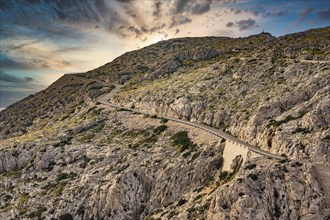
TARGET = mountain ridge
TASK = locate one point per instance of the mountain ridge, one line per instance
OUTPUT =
(65, 147)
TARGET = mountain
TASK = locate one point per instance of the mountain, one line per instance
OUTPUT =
(107, 144)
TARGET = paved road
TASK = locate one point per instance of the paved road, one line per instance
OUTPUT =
(104, 99)
(302, 61)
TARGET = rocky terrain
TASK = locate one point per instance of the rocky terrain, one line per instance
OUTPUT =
(64, 155)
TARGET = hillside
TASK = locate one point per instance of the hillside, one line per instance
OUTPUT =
(67, 155)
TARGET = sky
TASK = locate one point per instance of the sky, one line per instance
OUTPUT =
(43, 39)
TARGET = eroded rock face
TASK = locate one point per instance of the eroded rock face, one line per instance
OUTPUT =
(64, 155)
(133, 171)
(270, 187)
(276, 124)
(126, 198)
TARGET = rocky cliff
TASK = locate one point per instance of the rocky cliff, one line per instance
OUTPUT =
(64, 155)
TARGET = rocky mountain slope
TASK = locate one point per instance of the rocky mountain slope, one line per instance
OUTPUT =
(64, 155)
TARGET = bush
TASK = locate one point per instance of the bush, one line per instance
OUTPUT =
(63, 176)
(253, 176)
(182, 140)
(163, 120)
(181, 202)
(154, 116)
(66, 217)
(63, 142)
(301, 130)
(160, 129)
(250, 166)
(223, 175)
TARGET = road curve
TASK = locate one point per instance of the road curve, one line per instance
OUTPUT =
(104, 100)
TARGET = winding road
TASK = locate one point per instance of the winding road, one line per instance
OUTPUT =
(104, 99)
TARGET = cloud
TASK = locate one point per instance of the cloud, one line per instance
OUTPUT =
(230, 24)
(157, 8)
(28, 79)
(246, 24)
(180, 5)
(33, 58)
(305, 12)
(201, 8)
(179, 20)
(24, 44)
(277, 13)
(324, 14)
(242, 24)
(10, 78)
(54, 19)
(7, 62)
(227, 1)
(124, 1)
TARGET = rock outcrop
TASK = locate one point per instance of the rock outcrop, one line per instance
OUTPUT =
(65, 155)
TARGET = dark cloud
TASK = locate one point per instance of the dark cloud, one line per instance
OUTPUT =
(10, 78)
(200, 8)
(324, 14)
(305, 12)
(180, 5)
(28, 79)
(230, 24)
(15, 47)
(32, 61)
(53, 19)
(226, 1)
(242, 24)
(179, 20)
(157, 7)
(124, 1)
(9, 63)
(246, 24)
(134, 30)
(194, 7)
(277, 13)
(139, 32)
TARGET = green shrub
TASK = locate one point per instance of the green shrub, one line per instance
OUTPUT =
(66, 217)
(253, 176)
(37, 214)
(91, 109)
(171, 214)
(250, 166)
(241, 194)
(182, 201)
(186, 154)
(301, 130)
(163, 120)
(275, 124)
(63, 176)
(160, 129)
(198, 197)
(182, 140)
(63, 142)
(223, 175)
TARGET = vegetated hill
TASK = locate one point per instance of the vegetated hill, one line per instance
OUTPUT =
(65, 155)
